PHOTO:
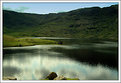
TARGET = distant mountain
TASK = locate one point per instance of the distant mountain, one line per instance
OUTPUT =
(94, 22)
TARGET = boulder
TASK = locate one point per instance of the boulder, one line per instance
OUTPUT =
(54, 76)
(51, 76)
(9, 78)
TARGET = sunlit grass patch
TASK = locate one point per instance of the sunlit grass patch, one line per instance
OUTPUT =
(72, 78)
(12, 41)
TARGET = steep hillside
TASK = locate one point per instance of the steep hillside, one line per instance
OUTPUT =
(92, 22)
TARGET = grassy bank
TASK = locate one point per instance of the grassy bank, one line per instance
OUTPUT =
(9, 41)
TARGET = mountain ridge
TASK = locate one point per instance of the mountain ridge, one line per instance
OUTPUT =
(94, 22)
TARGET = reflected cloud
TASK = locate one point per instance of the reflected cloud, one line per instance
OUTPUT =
(41, 73)
(10, 71)
(90, 73)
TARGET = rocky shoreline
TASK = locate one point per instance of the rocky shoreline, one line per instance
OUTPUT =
(51, 76)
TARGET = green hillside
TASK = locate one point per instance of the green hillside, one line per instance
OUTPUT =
(94, 22)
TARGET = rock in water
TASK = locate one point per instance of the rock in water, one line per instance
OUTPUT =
(9, 78)
(51, 76)
(60, 78)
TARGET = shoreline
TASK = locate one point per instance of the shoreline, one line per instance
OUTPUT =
(9, 41)
(51, 76)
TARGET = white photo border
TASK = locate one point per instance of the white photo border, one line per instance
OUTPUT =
(99, 81)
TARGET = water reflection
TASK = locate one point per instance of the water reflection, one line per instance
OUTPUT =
(36, 62)
(10, 70)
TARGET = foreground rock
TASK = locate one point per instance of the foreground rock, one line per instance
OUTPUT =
(9, 78)
(51, 76)
(54, 76)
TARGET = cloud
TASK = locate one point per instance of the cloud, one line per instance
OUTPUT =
(61, 11)
(7, 8)
(20, 9)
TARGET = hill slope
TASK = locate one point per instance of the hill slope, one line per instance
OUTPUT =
(92, 22)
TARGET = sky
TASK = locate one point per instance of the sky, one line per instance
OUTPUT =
(51, 7)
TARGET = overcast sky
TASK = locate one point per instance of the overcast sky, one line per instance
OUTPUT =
(51, 7)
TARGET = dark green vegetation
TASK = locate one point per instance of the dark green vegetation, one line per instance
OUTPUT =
(93, 57)
(9, 41)
(92, 22)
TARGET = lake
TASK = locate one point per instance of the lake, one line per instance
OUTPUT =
(91, 59)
